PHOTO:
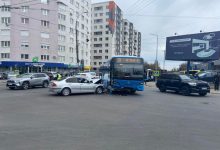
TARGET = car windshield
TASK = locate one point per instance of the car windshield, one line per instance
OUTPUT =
(185, 77)
(24, 76)
(128, 71)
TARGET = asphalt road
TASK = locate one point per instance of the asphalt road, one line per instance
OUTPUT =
(149, 120)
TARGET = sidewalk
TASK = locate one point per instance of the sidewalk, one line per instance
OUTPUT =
(152, 85)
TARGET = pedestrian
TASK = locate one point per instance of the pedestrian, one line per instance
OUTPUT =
(216, 82)
(59, 77)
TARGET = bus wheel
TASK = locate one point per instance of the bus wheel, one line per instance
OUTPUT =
(133, 91)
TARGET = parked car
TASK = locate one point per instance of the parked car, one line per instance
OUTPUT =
(207, 76)
(183, 84)
(71, 85)
(28, 80)
(12, 75)
(52, 75)
(3, 75)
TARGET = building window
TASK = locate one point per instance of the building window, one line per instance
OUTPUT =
(6, 20)
(5, 55)
(95, 27)
(45, 23)
(61, 16)
(97, 45)
(71, 40)
(61, 48)
(106, 32)
(5, 43)
(45, 35)
(61, 58)
(71, 30)
(98, 33)
(100, 51)
(71, 50)
(45, 46)
(44, 12)
(5, 8)
(98, 8)
(100, 14)
(97, 57)
(95, 63)
(95, 39)
(106, 51)
(106, 57)
(95, 51)
(24, 33)
(24, 56)
(106, 45)
(106, 38)
(61, 27)
(45, 1)
(25, 9)
(62, 38)
(71, 21)
(100, 39)
(45, 57)
(71, 59)
(100, 63)
(24, 45)
(98, 20)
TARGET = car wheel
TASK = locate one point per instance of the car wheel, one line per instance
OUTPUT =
(25, 85)
(66, 92)
(162, 88)
(99, 90)
(185, 91)
(203, 94)
(45, 84)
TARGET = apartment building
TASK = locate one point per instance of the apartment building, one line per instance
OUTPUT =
(41, 34)
(111, 34)
(106, 32)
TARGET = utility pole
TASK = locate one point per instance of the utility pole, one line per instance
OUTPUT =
(164, 59)
(77, 46)
(156, 60)
(77, 41)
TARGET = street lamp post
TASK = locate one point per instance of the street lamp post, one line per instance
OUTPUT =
(77, 42)
(156, 60)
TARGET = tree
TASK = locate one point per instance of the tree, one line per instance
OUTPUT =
(183, 67)
(151, 66)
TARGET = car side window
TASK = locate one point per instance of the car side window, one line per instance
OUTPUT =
(176, 77)
(71, 80)
(34, 76)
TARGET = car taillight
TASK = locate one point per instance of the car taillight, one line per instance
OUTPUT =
(53, 84)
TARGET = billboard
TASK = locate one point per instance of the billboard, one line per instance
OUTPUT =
(195, 47)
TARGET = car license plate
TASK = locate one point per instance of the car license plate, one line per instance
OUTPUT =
(204, 88)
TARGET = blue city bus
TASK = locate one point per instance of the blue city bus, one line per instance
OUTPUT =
(123, 73)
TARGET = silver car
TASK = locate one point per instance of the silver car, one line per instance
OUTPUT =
(71, 85)
(28, 80)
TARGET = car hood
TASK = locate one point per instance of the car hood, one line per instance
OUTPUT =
(194, 81)
(19, 79)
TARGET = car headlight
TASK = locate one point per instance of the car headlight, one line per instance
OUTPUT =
(192, 83)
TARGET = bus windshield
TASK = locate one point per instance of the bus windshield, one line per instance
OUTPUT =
(128, 71)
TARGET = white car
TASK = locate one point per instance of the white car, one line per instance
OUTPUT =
(71, 85)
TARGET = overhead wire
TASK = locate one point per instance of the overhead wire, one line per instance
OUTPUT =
(145, 6)
(135, 4)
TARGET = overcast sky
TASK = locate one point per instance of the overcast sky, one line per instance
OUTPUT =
(167, 17)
